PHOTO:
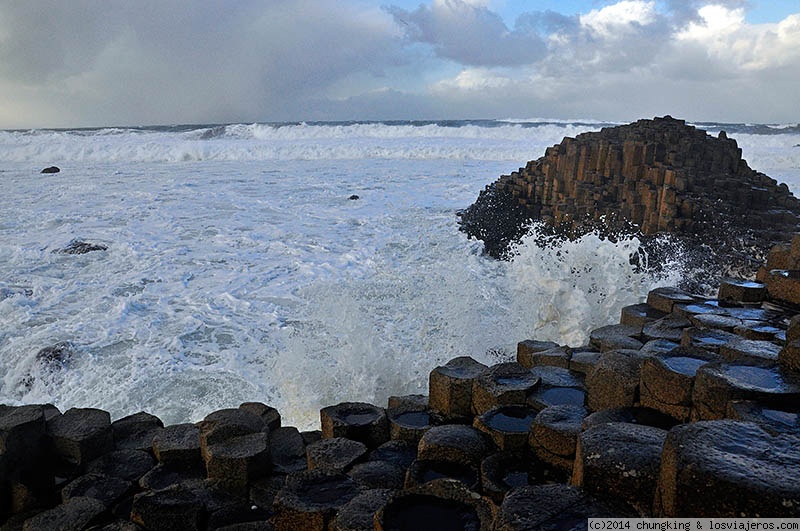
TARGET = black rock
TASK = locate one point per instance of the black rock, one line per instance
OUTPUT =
(80, 247)
(51, 169)
(76, 514)
(354, 197)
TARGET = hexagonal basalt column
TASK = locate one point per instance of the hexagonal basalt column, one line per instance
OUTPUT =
(554, 435)
(80, 435)
(639, 315)
(309, 500)
(621, 462)
(532, 353)
(335, 454)
(717, 384)
(550, 507)
(508, 426)
(708, 339)
(502, 384)
(727, 469)
(454, 442)
(408, 424)
(615, 337)
(178, 446)
(667, 381)
(450, 391)
(357, 421)
(614, 381)
(238, 460)
(557, 386)
(503, 471)
(733, 290)
(664, 299)
(436, 505)
(226, 424)
(423, 471)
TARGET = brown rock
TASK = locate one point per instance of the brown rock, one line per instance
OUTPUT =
(454, 442)
(727, 469)
(178, 446)
(741, 291)
(357, 421)
(335, 454)
(614, 381)
(531, 353)
(310, 500)
(621, 462)
(450, 388)
(502, 384)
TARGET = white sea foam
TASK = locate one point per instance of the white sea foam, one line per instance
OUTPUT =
(250, 142)
(257, 279)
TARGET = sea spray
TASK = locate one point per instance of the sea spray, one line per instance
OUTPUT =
(237, 269)
(380, 335)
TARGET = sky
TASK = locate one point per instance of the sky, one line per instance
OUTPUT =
(88, 63)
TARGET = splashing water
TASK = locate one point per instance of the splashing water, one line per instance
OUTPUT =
(370, 338)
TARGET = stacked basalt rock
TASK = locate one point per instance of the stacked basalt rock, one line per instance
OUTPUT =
(651, 176)
(689, 407)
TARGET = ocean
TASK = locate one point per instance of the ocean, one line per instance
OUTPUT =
(238, 268)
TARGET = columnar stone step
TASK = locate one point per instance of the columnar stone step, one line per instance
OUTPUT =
(718, 384)
(667, 380)
(554, 435)
(359, 421)
(502, 384)
(621, 462)
(451, 385)
(728, 469)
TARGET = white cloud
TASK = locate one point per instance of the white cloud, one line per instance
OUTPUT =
(473, 79)
(611, 21)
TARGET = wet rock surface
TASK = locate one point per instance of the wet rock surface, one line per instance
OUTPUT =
(705, 426)
(80, 247)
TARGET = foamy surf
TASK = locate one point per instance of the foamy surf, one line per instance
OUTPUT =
(237, 269)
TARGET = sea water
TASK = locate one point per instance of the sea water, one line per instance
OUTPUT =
(238, 268)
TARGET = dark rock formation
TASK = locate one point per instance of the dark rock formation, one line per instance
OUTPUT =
(709, 427)
(648, 177)
(80, 247)
(51, 169)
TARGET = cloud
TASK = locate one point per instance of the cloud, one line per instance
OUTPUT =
(113, 61)
(631, 59)
(102, 62)
(469, 33)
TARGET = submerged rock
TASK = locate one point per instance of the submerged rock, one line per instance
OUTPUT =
(80, 247)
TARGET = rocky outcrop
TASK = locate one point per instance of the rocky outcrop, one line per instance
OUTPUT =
(651, 176)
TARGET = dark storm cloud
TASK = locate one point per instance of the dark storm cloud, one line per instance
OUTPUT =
(156, 61)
